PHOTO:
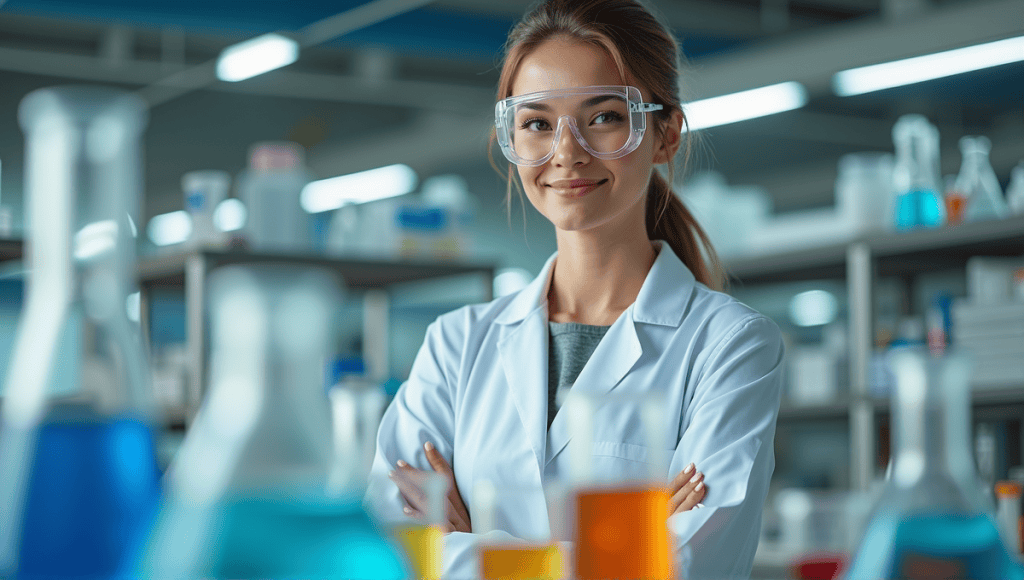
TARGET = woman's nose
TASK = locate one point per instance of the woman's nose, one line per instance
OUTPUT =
(568, 151)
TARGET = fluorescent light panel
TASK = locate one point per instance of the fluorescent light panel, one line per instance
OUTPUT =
(745, 105)
(918, 69)
(362, 187)
(255, 57)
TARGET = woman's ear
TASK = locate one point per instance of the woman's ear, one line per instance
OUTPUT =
(672, 137)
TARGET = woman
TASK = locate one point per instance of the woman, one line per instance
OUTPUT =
(588, 106)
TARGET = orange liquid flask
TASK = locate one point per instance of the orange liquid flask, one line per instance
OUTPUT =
(522, 562)
(422, 545)
(622, 533)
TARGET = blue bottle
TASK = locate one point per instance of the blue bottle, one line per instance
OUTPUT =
(918, 202)
(79, 481)
(932, 520)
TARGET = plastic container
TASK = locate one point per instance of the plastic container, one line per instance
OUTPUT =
(270, 189)
(1015, 190)
(918, 202)
(250, 495)
(978, 183)
(864, 190)
(932, 515)
(203, 191)
(79, 481)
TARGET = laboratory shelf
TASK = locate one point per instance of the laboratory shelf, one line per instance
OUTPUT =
(1008, 399)
(11, 249)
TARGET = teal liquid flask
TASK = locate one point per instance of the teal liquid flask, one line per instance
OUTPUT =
(250, 493)
(918, 202)
(79, 482)
(932, 520)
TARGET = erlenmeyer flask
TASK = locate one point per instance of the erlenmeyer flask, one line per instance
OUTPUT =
(621, 528)
(919, 202)
(978, 183)
(249, 495)
(78, 472)
(932, 520)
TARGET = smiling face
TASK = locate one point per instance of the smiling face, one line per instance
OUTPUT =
(575, 190)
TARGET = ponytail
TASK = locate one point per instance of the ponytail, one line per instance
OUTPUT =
(668, 219)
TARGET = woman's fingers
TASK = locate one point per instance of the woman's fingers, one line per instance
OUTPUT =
(688, 495)
(437, 461)
(405, 477)
(682, 478)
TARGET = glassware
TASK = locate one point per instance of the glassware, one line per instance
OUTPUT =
(507, 560)
(203, 191)
(932, 520)
(621, 528)
(250, 494)
(79, 481)
(1015, 190)
(978, 183)
(916, 174)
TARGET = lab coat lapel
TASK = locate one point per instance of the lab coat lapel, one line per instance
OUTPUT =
(617, 352)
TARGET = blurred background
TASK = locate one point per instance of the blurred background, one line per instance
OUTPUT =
(805, 204)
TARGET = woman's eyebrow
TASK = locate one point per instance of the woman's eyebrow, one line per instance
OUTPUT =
(538, 106)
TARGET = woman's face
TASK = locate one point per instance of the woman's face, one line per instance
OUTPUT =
(574, 190)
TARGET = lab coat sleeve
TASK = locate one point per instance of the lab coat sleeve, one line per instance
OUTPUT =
(729, 431)
(421, 411)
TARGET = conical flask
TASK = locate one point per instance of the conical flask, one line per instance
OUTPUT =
(249, 495)
(932, 520)
(919, 202)
(621, 524)
(78, 472)
(978, 183)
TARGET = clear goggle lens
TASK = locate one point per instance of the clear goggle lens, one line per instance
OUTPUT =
(608, 122)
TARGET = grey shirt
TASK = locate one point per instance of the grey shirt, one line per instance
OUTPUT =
(570, 345)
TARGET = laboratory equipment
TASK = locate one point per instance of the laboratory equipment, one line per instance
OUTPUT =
(918, 201)
(977, 182)
(1008, 513)
(932, 515)
(79, 481)
(270, 189)
(203, 191)
(503, 559)
(864, 190)
(423, 540)
(1015, 190)
(251, 494)
(621, 528)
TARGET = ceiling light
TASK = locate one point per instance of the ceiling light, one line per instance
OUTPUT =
(745, 105)
(371, 185)
(255, 57)
(908, 71)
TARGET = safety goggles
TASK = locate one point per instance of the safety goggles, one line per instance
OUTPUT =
(607, 121)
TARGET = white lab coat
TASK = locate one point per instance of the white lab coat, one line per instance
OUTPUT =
(478, 391)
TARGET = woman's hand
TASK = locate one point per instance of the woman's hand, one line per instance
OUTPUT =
(687, 490)
(410, 482)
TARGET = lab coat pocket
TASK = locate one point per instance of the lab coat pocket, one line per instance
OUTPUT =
(613, 460)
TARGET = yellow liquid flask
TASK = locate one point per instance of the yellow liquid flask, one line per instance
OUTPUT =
(621, 527)
(507, 560)
(251, 493)
(932, 520)
(79, 481)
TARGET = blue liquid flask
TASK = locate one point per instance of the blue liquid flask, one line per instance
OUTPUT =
(78, 474)
(932, 520)
(918, 202)
(249, 494)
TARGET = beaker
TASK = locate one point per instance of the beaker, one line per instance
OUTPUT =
(249, 494)
(79, 480)
(621, 528)
(918, 201)
(932, 520)
(978, 183)
(502, 558)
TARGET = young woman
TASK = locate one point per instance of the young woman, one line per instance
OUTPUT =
(588, 106)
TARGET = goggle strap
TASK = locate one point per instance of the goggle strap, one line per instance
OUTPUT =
(644, 107)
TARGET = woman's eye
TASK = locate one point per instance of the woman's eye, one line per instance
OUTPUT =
(607, 117)
(534, 125)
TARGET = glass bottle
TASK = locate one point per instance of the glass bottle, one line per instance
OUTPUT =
(250, 494)
(1015, 190)
(932, 519)
(978, 183)
(919, 202)
(79, 481)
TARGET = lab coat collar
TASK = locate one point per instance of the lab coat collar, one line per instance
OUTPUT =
(662, 299)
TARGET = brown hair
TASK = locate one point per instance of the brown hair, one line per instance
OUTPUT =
(642, 47)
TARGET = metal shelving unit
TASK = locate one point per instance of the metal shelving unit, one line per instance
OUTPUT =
(371, 278)
(860, 261)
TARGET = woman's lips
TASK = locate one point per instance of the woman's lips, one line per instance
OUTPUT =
(576, 187)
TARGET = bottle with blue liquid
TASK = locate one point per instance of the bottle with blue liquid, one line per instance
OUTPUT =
(919, 202)
(932, 520)
(79, 482)
(254, 491)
